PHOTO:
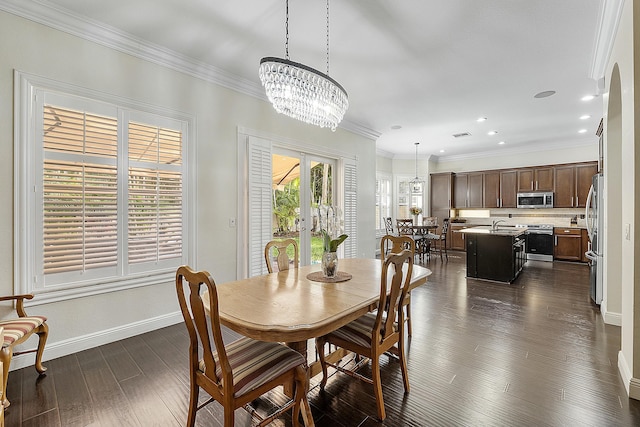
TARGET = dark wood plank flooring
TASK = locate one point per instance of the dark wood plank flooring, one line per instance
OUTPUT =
(533, 353)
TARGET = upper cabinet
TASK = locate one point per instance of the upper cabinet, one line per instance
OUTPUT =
(535, 179)
(467, 190)
(492, 189)
(440, 195)
(499, 189)
(572, 184)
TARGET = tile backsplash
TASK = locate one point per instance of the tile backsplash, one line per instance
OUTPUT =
(557, 217)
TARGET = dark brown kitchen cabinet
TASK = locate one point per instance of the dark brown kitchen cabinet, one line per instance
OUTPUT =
(508, 189)
(456, 240)
(491, 187)
(585, 245)
(441, 195)
(467, 190)
(567, 244)
(584, 175)
(572, 183)
(460, 190)
(535, 179)
(500, 189)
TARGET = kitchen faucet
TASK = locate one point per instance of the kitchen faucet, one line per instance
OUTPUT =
(494, 224)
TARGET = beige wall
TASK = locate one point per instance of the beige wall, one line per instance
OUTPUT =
(38, 49)
(622, 177)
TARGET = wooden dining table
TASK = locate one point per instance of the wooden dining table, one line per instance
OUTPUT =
(288, 307)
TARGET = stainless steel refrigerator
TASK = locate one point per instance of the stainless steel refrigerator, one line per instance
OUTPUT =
(595, 222)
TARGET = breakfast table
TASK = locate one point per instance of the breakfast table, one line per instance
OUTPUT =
(289, 307)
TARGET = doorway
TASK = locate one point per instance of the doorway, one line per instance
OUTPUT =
(301, 182)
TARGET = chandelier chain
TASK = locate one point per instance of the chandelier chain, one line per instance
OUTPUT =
(327, 37)
(286, 30)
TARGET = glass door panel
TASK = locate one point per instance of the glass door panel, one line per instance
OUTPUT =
(301, 183)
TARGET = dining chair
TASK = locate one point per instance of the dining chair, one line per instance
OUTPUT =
(17, 331)
(236, 373)
(439, 240)
(282, 258)
(397, 244)
(376, 333)
(404, 227)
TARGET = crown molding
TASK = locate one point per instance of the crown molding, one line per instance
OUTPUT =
(62, 19)
(610, 15)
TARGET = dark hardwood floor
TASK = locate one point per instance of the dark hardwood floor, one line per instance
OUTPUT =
(533, 353)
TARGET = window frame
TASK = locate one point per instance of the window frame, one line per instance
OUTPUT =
(383, 177)
(28, 172)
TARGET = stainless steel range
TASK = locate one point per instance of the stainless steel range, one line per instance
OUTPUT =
(539, 244)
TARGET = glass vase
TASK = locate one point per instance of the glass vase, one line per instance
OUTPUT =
(329, 264)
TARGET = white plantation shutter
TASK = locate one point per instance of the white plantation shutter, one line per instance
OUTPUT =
(155, 194)
(350, 209)
(100, 194)
(79, 191)
(259, 203)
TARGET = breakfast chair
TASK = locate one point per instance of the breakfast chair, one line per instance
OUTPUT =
(282, 258)
(375, 333)
(388, 226)
(404, 227)
(17, 331)
(397, 244)
(236, 373)
(440, 240)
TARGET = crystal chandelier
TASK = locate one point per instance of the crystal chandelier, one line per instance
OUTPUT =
(416, 183)
(302, 92)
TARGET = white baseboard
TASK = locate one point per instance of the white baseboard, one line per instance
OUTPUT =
(625, 372)
(610, 318)
(53, 350)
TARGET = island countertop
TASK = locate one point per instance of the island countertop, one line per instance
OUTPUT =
(500, 231)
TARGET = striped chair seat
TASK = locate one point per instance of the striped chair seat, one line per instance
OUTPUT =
(359, 331)
(15, 329)
(255, 363)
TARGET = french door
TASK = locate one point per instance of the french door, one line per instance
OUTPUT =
(300, 183)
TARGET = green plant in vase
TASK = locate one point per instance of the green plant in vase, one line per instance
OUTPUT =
(329, 256)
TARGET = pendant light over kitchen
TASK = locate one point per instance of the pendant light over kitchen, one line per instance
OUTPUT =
(302, 92)
(416, 183)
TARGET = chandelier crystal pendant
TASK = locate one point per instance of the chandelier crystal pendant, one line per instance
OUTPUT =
(302, 92)
(416, 183)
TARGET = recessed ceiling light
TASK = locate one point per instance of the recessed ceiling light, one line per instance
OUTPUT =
(582, 131)
(588, 97)
(501, 143)
(544, 94)
(481, 119)
(585, 117)
(442, 151)
(396, 127)
(492, 132)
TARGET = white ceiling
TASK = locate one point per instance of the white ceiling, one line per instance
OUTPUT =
(430, 66)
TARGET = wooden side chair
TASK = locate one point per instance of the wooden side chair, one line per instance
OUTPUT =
(236, 373)
(17, 331)
(397, 244)
(375, 333)
(282, 259)
(439, 240)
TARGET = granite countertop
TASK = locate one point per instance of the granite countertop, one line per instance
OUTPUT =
(500, 231)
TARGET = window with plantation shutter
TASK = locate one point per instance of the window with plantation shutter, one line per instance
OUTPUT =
(101, 195)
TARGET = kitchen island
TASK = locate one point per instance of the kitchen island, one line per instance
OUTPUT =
(496, 254)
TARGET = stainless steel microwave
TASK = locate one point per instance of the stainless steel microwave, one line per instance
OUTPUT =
(535, 200)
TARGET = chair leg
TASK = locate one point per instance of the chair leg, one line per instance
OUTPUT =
(229, 417)
(377, 387)
(43, 333)
(193, 402)
(5, 356)
(403, 361)
(409, 329)
(320, 348)
(302, 383)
